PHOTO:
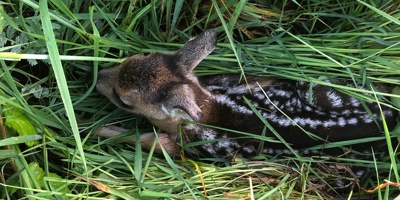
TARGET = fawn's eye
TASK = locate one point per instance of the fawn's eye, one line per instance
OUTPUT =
(119, 102)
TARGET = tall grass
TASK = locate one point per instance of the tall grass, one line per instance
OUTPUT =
(48, 111)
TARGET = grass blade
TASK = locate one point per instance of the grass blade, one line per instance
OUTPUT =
(60, 75)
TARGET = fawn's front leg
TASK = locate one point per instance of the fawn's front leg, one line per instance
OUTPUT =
(146, 140)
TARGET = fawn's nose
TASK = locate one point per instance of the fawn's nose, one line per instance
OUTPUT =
(98, 78)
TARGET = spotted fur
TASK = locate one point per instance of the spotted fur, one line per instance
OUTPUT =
(163, 88)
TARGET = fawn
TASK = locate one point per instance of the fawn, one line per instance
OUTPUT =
(164, 89)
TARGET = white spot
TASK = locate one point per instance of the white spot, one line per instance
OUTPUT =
(346, 112)
(296, 101)
(315, 152)
(268, 151)
(224, 99)
(284, 122)
(209, 148)
(282, 93)
(355, 102)
(334, 114)
(281, 120)
(256, 89)
(243, 89)
(313, 123)
(360, 173)
(228, 145)
(329, 123)
(248, 149)
(335, 99)
(270, 116)
(319, 112)
(214, 87)
(269, 93)
(387, 113)
(287, 152)
(308, 108)
(340, 183)
(259, 96)
(301, 83)
(276, 102)
(352, 121)
(342, 122)
(366, 118)
(255, 104)
(223, 143)
(298, 120)
(307, 121)
(208, 134)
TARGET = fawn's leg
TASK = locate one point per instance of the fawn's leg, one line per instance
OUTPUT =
(146, 140)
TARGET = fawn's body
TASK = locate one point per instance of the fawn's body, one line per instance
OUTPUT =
(163, 88)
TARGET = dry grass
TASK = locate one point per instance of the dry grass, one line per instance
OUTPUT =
(49, 48)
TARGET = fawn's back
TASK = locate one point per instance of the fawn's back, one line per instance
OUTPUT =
(232, 114)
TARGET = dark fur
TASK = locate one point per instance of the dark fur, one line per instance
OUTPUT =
(162, 88)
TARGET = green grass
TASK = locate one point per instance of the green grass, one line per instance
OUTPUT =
(47, 49)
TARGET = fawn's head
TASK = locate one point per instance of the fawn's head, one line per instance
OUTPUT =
(159, 85)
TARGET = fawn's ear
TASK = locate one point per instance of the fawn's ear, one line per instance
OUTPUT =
(195, 50)
(181, 104)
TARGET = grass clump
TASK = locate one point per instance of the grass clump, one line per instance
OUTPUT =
(49, 48)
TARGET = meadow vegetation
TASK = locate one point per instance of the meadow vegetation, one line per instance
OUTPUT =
(49, 112)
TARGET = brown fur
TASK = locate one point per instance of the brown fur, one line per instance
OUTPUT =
(163, 88)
